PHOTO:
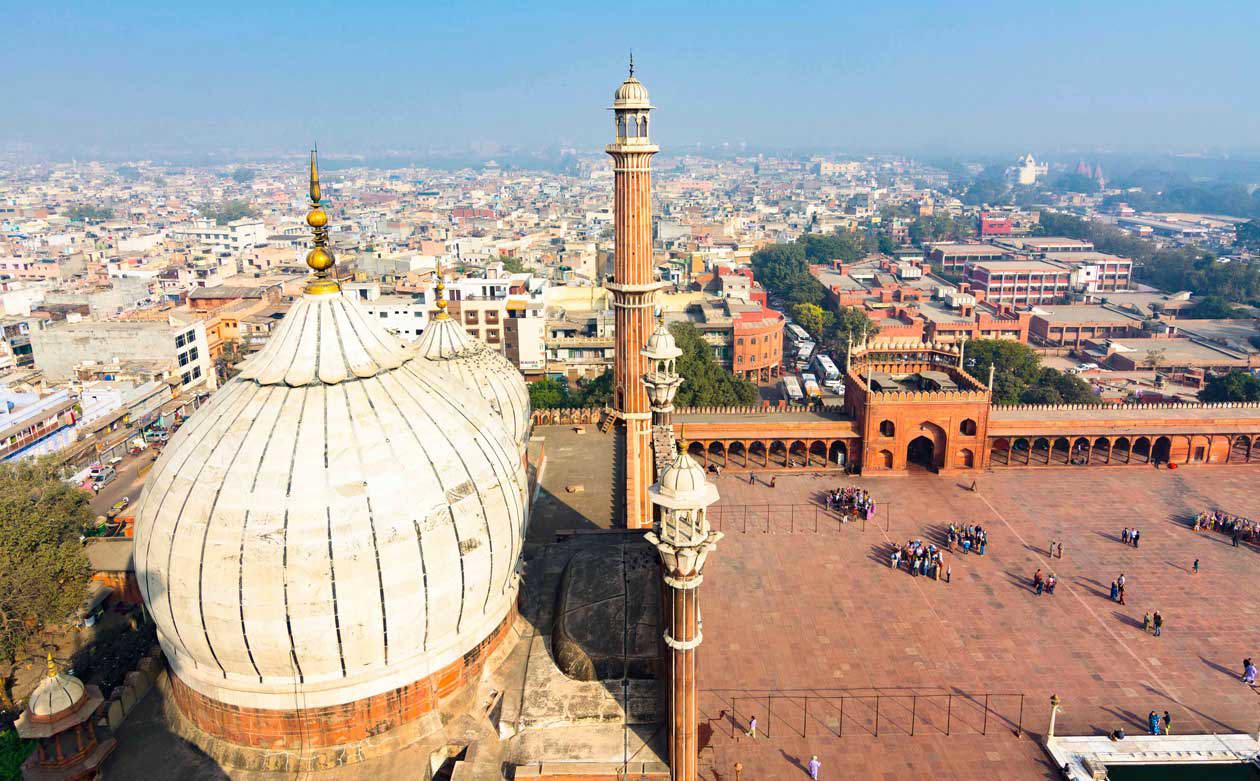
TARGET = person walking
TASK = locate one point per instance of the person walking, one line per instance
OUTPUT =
(1158, 622)
(1136, 536)
(752, 478)
(774, 480)
(1152, 722)
(1115, 592)
(1235, 538)
(1196, 567)
(1124, 535)
(1122, 596)
(1120, 580)
(1249, 672)
(752, 727)
(1053, 544)
(1167, 723)
(813, 767)
(1146, 621)
(1060, 548)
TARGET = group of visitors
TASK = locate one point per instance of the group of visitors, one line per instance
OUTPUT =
(1130, 536)
(1153, 622)
(1041, 583)
(971, 537)
(1159, 725)
(921, 559)
(1117, 589)
(1237, 527)
(852, 500)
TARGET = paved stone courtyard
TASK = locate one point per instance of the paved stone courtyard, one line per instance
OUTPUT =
(795, 613)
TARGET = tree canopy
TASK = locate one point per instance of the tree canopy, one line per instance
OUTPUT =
(228, 211)
(705, 381)
(89, 213)
(1216, 308)
(1235, 386)
(1019, 377)
(243, 175)
(552, 393)
(43, 569)
(814, 319)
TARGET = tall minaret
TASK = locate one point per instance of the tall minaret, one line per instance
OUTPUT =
(632, 288)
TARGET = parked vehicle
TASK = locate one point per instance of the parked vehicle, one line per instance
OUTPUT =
(103, 478)
(791, 390)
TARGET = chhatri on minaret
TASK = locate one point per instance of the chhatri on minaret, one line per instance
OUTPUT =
(329, 547)
(633, 288)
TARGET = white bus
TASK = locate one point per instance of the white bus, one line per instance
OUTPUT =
(791, 390)
(797, 333)
(826, 370)
(805, 352)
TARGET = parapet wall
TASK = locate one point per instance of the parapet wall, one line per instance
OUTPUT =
(1173, 405)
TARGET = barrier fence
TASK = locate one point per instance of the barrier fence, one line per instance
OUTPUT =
(822, 713)
(794, 518)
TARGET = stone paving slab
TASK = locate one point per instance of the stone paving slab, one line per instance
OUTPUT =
(823, 614)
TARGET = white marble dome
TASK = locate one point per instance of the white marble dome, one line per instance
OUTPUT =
(339, 520)
(631, 95)
(682, 484)
(55, 695)
(448, 348)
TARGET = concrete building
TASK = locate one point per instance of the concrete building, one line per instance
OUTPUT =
(32, 425)
(952, 258)
(236, 236)
(60, 349)
(1020, 282)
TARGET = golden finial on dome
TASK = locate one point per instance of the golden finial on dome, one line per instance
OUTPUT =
(52, 666)
(440, 289)
(320, 259)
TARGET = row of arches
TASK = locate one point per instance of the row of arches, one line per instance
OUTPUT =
(1110, 451)
(771, 454)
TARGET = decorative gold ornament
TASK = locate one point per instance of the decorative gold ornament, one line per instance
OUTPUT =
(320, 259)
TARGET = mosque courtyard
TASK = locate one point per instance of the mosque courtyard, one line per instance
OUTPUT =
(806, 626)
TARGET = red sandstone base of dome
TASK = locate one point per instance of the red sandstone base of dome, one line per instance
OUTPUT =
(345, 729)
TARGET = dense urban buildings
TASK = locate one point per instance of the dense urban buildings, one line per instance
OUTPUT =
(368, 546)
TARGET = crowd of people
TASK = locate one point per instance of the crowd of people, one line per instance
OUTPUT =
(969, 538)
(1236, 526)
(853, 501)
(921, 559)
(1130, 536)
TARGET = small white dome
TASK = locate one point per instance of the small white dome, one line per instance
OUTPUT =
(448, 348)
(631, 95)
(336, 522)
(661, 344)
(55, 695)
(683, 485)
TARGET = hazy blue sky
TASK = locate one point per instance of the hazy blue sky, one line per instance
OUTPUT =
(371, 76)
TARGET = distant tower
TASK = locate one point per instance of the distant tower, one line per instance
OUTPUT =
(684, 541)
(632, 288)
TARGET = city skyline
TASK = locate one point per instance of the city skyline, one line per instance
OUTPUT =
(921, 78)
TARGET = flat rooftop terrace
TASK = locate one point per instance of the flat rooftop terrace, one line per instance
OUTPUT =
(793, 612)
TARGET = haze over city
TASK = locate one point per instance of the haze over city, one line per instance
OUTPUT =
(442, 392)
(145, 78)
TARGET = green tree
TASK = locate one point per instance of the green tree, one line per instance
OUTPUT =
(596, 392)
(705, 382)
(128, 172)
(852, 324)
(243, 175)
(228, 211)
(512, 265)
(43, 569)
(1076, 183)
(1055, 387)
(1235, 386)
(1216, 308)
(89, 213)
(886, 244)
(1016, 367)
(814, 319)
(549, 393)
(13, 752)
(1248, 234)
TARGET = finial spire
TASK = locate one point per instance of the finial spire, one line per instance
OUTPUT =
(440, 293)
(319, 258)
(632, 63)
(682, 438)
(52, 666)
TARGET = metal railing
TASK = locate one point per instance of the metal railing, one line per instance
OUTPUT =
(794, 518)
(822, 712)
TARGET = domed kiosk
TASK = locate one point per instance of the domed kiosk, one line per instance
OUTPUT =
(449, 349)
(59, 717)
(329, 546)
